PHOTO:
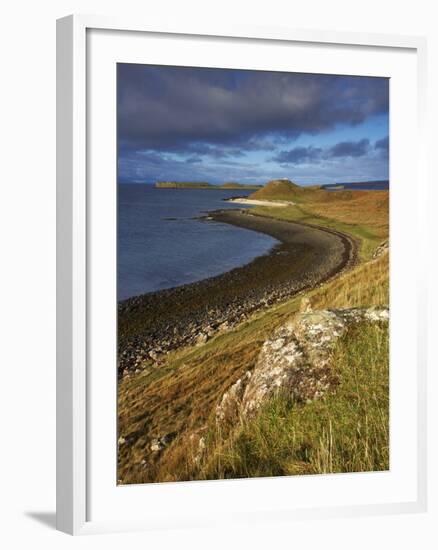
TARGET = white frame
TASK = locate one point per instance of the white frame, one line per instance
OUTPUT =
(72, 258)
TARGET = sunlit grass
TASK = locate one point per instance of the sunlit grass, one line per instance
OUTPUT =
(345, 431)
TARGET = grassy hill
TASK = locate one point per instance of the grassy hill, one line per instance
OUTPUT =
(235, 185)
(278, 190)
(363, 214)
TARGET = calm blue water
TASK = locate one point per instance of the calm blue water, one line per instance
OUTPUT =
(364, 186)
(156, 253)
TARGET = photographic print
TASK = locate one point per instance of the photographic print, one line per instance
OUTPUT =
(252, 273)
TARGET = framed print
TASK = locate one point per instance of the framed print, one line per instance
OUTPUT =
(240, 285)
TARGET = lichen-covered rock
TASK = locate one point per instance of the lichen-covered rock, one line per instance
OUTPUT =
(156, 445)
(295, 360)
(201, 338)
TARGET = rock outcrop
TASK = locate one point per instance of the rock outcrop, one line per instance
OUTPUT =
(295, 360)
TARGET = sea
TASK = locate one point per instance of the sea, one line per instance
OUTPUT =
(381, 185)
(161, 244)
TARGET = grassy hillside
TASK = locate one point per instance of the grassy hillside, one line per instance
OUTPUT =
(362, 214)
(235, 185)
(278, 190)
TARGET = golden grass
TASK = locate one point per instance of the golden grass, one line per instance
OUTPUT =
(278, 190)
(345, 431)
(371, 210)
(367, 208)
(365, 285)
(180, 397)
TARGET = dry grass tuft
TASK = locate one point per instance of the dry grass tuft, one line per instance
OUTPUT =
(365, 285)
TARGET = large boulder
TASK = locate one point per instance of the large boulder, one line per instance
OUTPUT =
(295, 360)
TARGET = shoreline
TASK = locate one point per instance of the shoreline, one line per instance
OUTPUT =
(153, 324)
(257, 202)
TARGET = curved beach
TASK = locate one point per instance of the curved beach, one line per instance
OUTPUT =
(153, 324)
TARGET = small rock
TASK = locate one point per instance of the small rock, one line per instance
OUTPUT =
(209, 331)
(224, 326)
(156, 445)
(201, 339)
(305, 305)
(383, 248)
(159, 443)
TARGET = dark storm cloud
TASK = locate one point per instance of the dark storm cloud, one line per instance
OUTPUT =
(343, 149)
(350, 148)
(225, 112)
(382, 145)
(298, 155)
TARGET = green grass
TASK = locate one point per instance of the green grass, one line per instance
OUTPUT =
(345, 431)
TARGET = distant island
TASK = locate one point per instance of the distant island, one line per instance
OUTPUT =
(203, 185)
(381, 185)
(281, 188)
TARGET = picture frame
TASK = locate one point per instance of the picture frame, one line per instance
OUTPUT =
(76, 203)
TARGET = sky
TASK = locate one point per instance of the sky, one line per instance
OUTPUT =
(223, 125)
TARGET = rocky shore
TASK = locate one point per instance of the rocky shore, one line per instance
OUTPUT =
(152, 325)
